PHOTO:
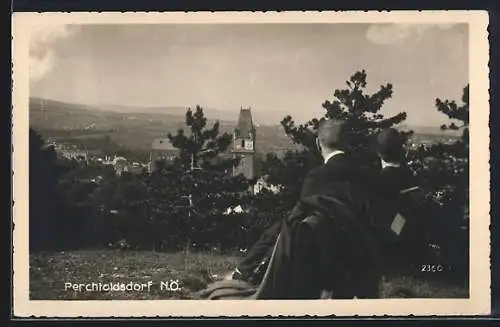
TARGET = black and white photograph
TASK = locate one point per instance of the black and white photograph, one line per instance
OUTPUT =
(271, 156)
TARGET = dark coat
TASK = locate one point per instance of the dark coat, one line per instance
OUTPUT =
(324, 250)
(325, 245)
(405, 218)
(322, 179)
(395, 179)
(328, 242)
(388, 200)
(339, 168)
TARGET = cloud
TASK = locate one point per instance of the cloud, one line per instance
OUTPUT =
(39, 66)
(43, 38)
(390, 34)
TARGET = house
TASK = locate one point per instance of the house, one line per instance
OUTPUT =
(162, 149)
(262, 185)
(120, 164)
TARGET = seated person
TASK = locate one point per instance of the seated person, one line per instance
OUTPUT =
(326, 246)
(338, 168)
(404, 210)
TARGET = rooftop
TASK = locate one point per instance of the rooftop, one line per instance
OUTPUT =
(245, 124)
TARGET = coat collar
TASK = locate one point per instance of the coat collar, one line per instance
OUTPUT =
(331, 155)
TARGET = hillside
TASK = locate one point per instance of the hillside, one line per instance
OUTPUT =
(260, 117)
(135, 130)
(166, 110)
(126, 126)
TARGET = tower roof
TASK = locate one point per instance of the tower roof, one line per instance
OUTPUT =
(245, 124)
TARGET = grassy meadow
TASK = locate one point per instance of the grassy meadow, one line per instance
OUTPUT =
(49, 273)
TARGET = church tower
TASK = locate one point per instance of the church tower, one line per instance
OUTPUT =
(244, 144)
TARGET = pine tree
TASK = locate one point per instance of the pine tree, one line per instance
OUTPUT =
(450, 173)
(457, 113)
(205, 155)
(206, 181)
(203, 146)
(288, 171)
(359, 110)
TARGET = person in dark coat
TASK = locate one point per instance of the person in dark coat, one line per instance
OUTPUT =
(338, 168)
(412, 220)
(426, 221)
(327, 244)
(338, 165)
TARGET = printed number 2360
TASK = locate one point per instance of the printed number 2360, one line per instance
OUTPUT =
(431, 268)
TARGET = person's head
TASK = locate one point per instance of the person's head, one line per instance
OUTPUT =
(332, 136)
(390, 145)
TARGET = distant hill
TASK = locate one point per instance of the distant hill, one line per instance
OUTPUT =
(138, 127)
(260, 117)
(128, 127)
(58, 106)
(169, 110)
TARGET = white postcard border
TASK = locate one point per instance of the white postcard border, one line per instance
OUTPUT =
(479, 301)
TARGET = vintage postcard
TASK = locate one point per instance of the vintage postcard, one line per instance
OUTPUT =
(193, 164)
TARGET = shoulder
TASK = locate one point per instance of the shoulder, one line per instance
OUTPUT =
(313, 181)
(363, 171)
(396, 179)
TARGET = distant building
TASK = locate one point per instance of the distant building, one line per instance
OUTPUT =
(261, 185)
(162, 149)
(71, 153)
(106, 160)
(120, 161)
(244, 144)
(120, 164)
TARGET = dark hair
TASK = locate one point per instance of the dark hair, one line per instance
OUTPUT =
(332, 134)
(390, 145)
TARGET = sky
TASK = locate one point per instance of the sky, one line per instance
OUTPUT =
(289, 68)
